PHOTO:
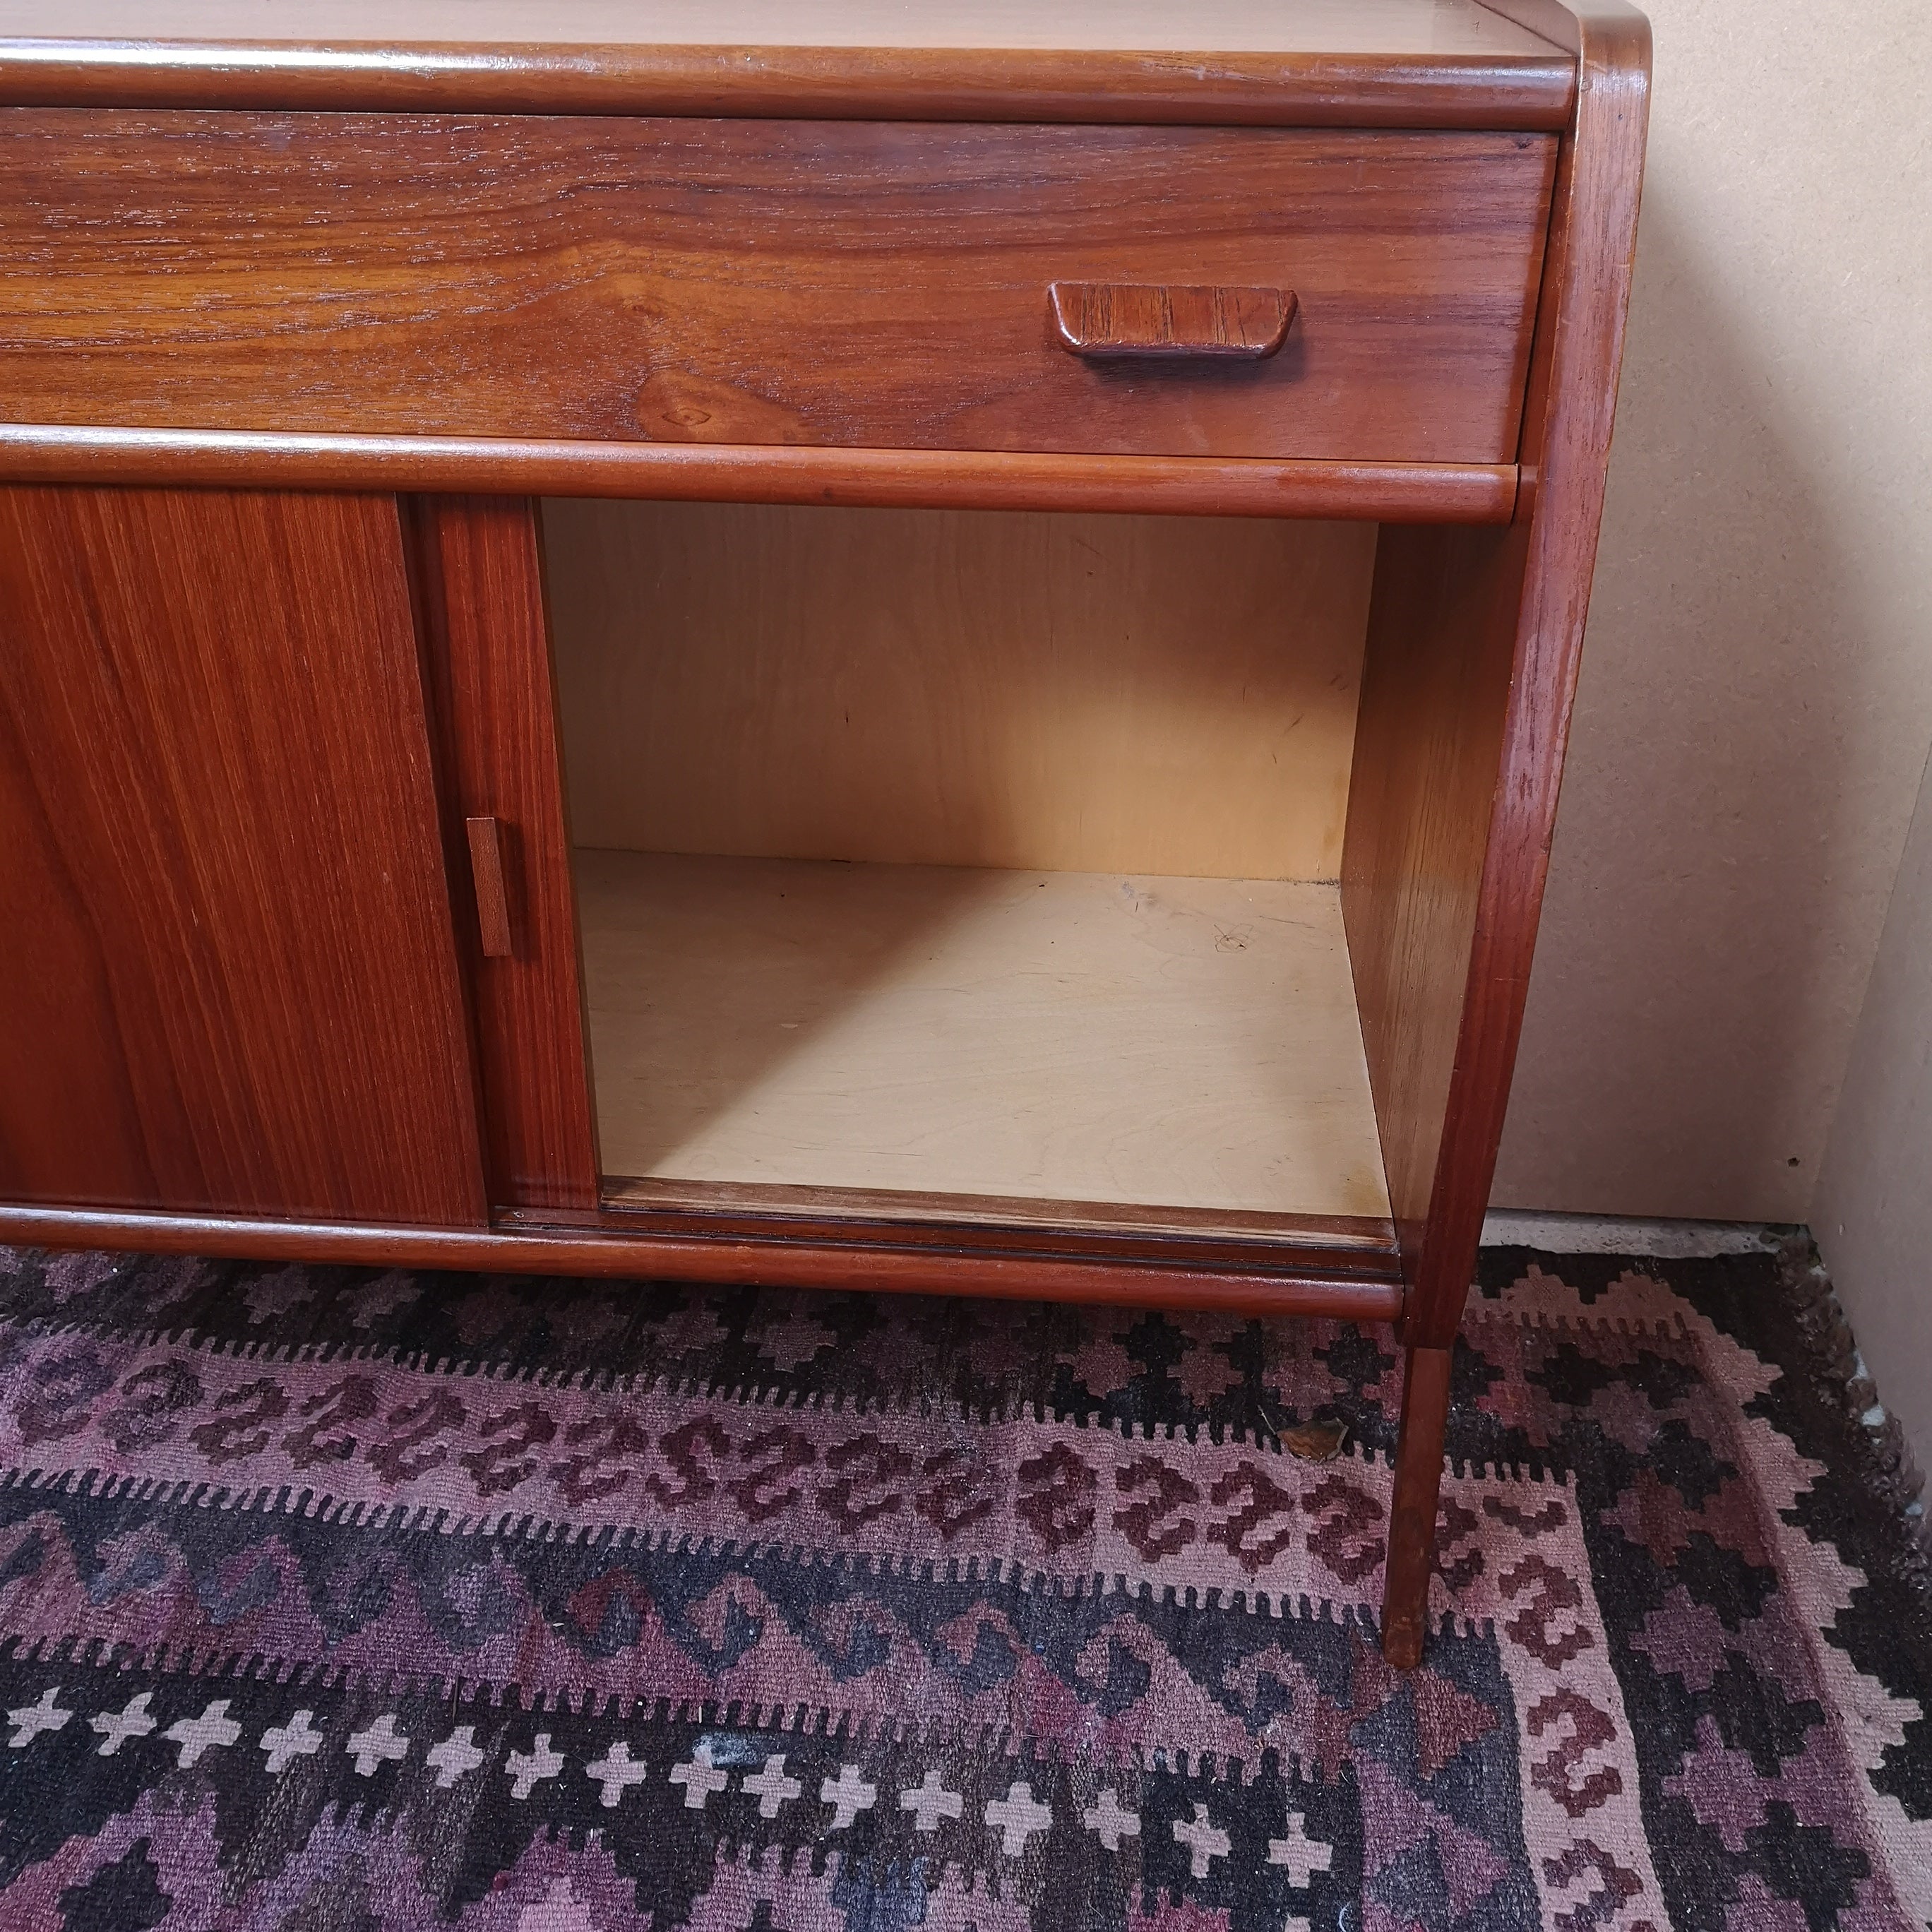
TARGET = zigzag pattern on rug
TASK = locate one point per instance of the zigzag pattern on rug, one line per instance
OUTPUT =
(464, 1599)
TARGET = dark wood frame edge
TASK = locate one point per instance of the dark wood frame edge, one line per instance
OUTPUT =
(1353, 1234)
(1311, 1251)
(513, 1246)
(1509, 92)
(1575, 362)
(755, 473)
(1528, 589)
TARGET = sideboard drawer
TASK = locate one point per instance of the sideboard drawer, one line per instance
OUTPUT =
(830, 283)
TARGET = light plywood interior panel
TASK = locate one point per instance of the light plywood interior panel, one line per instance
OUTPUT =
(1189, 1043)
(1156, 695)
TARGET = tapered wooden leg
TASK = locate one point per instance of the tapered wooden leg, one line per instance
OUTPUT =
(1418, 1484)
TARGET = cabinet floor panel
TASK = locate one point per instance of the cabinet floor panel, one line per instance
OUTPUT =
(1069, 1037)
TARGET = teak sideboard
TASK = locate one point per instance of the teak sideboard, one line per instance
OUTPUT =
(824, 644)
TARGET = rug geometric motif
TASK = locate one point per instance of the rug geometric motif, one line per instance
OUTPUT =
(333, 1598)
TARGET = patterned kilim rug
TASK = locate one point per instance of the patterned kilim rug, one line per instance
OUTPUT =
(339, 1599)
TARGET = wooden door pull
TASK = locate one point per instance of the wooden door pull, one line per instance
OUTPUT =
(492, 895)
(1157, 321)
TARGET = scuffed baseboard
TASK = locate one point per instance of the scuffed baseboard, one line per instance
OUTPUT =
(1611, 1234)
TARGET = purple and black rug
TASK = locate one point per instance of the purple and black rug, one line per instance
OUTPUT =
(338, 1599)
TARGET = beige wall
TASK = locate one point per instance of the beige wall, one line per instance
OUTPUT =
(1873, 1212)
(1756, 699)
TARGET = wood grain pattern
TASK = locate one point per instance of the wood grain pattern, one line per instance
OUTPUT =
(724, 473)
(1125, 322)
(230, 979)
(495, 933)
(1330, 1247)
(1441, 645)
(1318, 1240)
(1572, 403)
(1357, 63)
(525, 1243)
(1172, 1043)
(833, 283)
(1472, 664)
(1412, 1510)
(479, 572)
(1055, 692)
(1470, 669)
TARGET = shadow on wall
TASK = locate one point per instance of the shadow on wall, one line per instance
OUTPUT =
(1718, 880)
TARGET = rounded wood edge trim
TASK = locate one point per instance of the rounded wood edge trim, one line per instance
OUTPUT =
(931, 1216)
(1074, 1242)
(790, 473)
(757, 1264)
(1464, 91)
(1568, 418)
(1427, 1378)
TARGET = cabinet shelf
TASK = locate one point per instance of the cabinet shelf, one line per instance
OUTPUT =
(1149, 1051)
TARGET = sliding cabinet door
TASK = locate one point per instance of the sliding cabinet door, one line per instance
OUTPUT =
(486, 628)
(228, 981)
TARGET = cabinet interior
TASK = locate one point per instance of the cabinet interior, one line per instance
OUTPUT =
(967, 862)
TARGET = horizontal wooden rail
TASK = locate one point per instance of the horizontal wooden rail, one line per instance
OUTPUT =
(1524, 89)
(1410, 493)
(524, 1250)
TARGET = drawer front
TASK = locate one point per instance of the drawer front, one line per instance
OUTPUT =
(860, 284)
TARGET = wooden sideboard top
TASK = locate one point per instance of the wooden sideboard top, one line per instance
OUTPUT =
(1416, 63)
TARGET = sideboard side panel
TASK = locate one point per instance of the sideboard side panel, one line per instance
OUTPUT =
(1435, 680)
(486, 631)
(1474, 641)
(228, 980)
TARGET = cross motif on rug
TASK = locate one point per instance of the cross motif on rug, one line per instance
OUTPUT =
(1500, 1778)
(849, 1796)
(930, 1802)
(378, 1745)
(456, 1757)
(770, 1786)
(1303, 1855)
(1019, 1815)
(1109, 1823)
(527, 1769)
(700, 1777)
(115, 1729)
(31, 1720)
(614, 1773)
(1204, 1839)
(214, 1730)
(285, 1742)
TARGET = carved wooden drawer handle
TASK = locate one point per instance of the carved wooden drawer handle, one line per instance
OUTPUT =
(1119, 321)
